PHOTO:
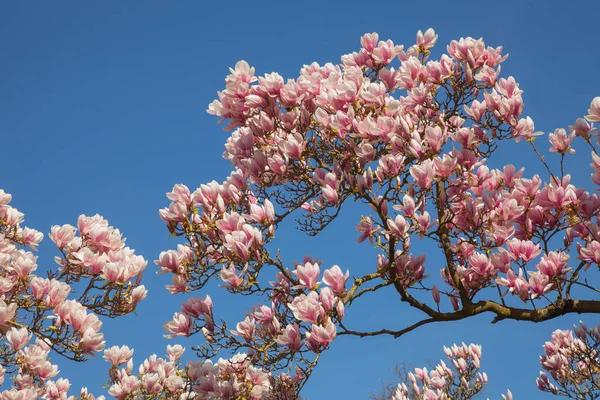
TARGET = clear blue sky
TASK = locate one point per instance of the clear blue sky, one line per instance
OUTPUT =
(102, 110)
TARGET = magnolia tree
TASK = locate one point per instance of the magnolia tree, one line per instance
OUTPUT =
(411, 142)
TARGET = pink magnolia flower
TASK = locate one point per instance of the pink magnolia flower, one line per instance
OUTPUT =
(18, 338)
(195, 307)
(324, 335)
(175, 352)
(525, 250)
(62, 236)
(91, 341)
(561, 142)
(308, 274)
(118, 355)
(229, 275)
(596, 166)
(553, 264)
(368, 229)
(180, 325)
(423, 173)
(539, 284)
(245, 328)
(435, 293)
(582, 128)
(290, 337)
(591, 252)
(516, 284)
(5, 198)
(369, 41)
(426, 40)
(594, 110)
(524, 130)
(334, 278)
(307, 308)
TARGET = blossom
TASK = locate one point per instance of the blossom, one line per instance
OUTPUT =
(426, 40)
(308, 274)
(561, 142)
(594, 110)
(336, 279)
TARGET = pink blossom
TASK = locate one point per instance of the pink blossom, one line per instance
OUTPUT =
(180, 325)
(369, 41)
(229, 276)
(290, 337)
(435, 293)
(196, 307)
(91, 341)
(594, 110)
(307, 308)
(62, 236)
(334, 278)
(553, 264)
(18, 338)
(582, 128)
(426, 40)
(5, 198)
(516, 284)
(561, 142)
(524, 250)
(324, 335)
(368, 229)
(245, 328)
(423, 173)
(175, 352)
(118, 355)
(308, 274)
(539, 284)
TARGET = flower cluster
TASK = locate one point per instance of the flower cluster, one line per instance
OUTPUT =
(31, 306)
(410, 137)
(460, 380)
(572, 362)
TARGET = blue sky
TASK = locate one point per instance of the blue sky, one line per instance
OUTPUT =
(103, 110)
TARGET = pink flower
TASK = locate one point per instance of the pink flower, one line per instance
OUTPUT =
(229, 275)
(290, 337)
(516, 284)
(368, 229)
(62, 235)
(525, 250)
(5, 198)
(308, 274)
(307, 308)
(582, 128)
(426, 40)
(397, 227)
(91, 341)
(591, 252)
(524, 130)
(434, 136)
(175, 352)
(18, 338)
(369, 41)
(245, 328)
(561, 142)
(180, 325)
(118, 355)
(195, 307)
(594, 110)
(334, 278)
(435, 293)
(553, 264)
(423, 173)
(539, 284)
(324, 335)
